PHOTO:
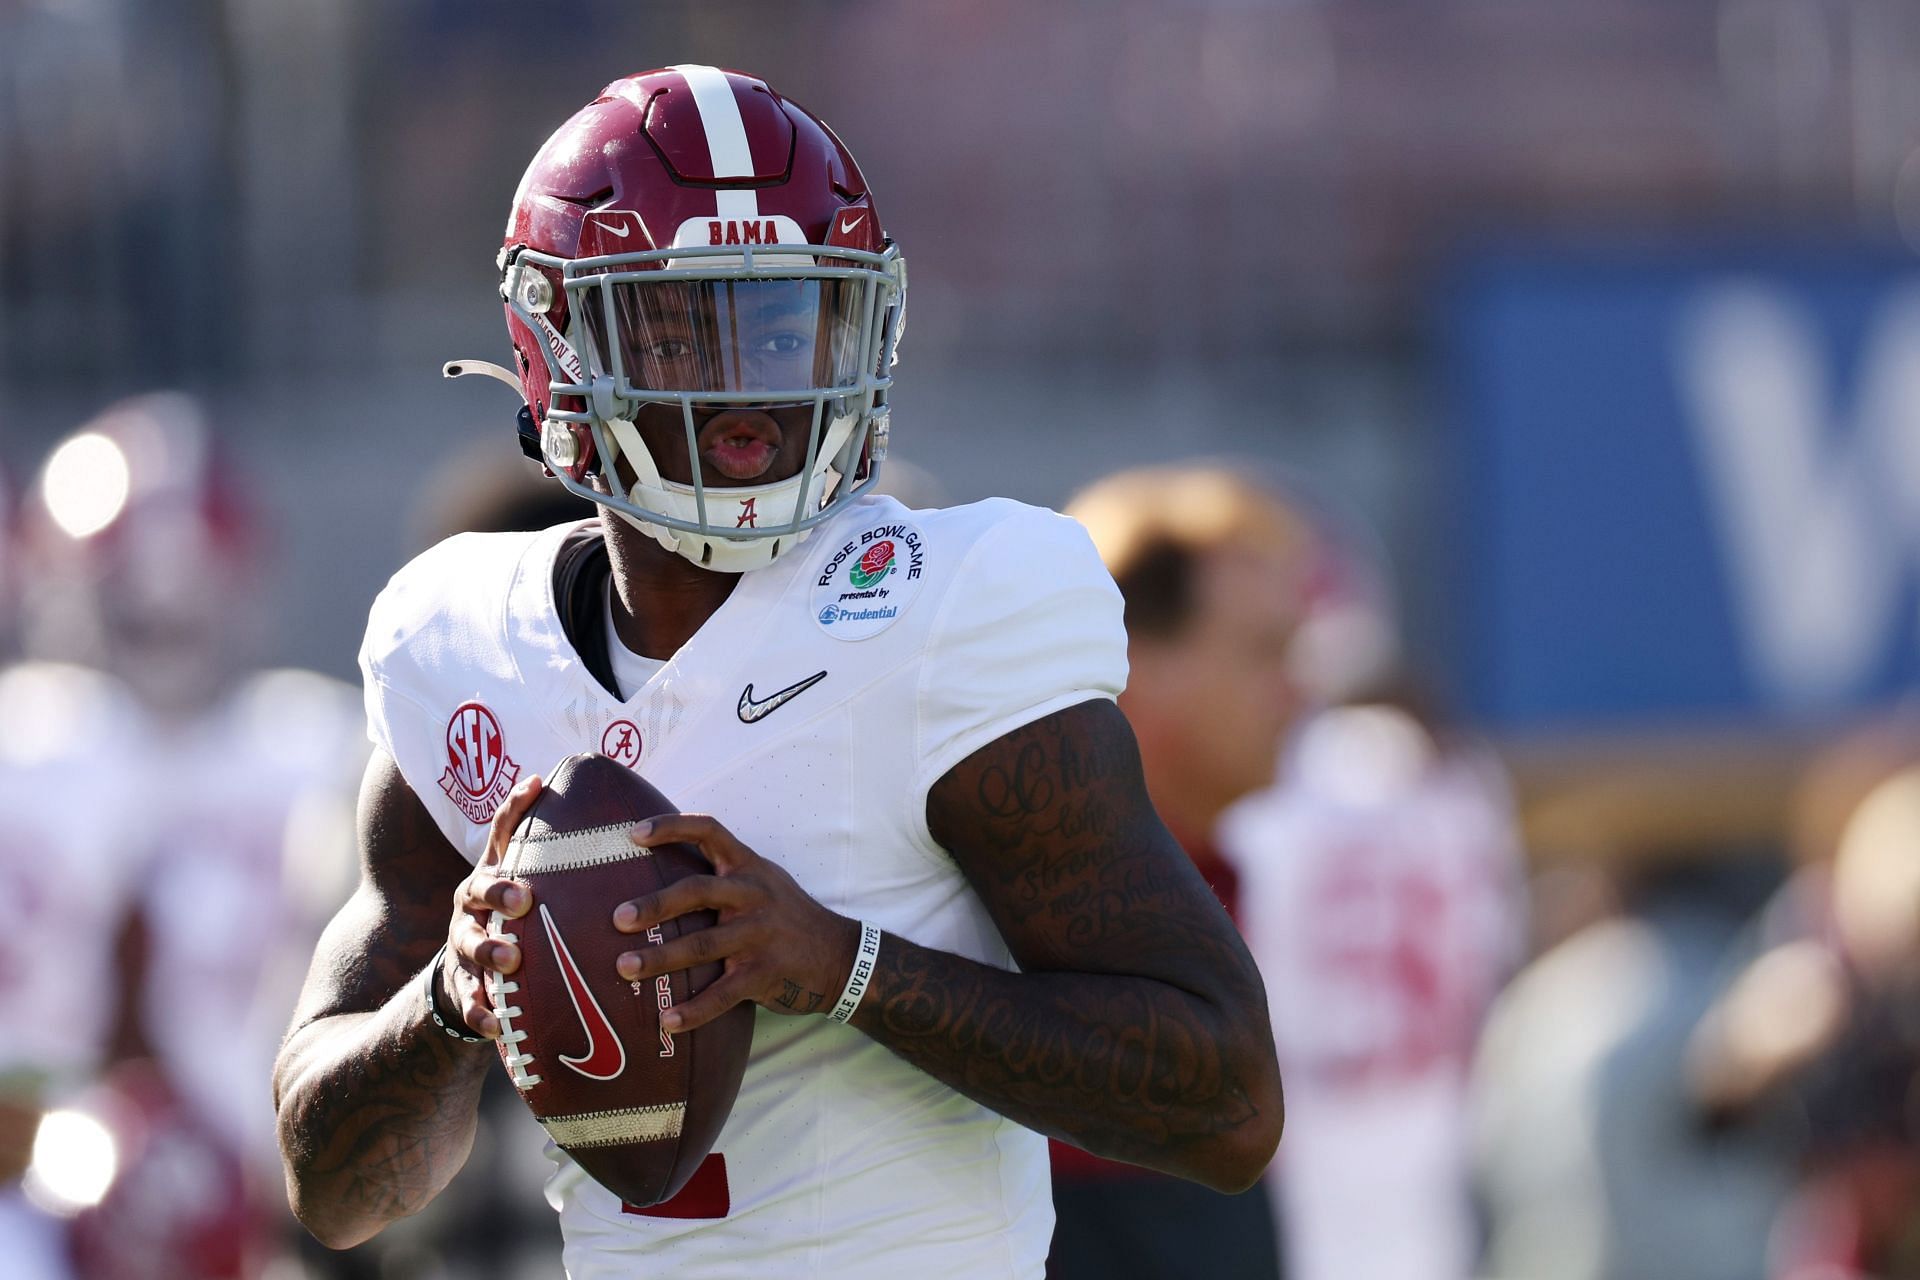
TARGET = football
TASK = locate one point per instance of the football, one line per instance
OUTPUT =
(636, 1107)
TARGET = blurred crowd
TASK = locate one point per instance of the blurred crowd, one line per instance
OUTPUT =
(1534, 1024)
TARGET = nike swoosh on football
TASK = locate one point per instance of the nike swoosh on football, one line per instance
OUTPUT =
(752, 709)
(605, 1057)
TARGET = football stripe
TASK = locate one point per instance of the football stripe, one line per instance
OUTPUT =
(575, 849)
(727, 148)
(615, 1128)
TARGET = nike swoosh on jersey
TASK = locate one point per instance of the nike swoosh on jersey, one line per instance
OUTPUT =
(752, 710)
(605, 1057)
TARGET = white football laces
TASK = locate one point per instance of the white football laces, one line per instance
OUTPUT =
(498, 989)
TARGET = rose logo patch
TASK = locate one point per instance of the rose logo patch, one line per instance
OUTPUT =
(872, 568)
(868, 581)
(479, 770)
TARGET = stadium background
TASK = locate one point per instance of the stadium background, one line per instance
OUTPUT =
(1605, 318)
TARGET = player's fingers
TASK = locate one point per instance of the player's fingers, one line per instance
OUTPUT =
(462, 987)
(481, 894)
(508, 815)
(702, 946)
(722, 848)
(695, 893)
(708, 1005)
(484, 951)
(479, 1014)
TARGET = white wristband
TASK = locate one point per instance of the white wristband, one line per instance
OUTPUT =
(862, 972)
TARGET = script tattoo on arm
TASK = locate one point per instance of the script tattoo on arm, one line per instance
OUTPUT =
(376, 1107)
(1137, 1027)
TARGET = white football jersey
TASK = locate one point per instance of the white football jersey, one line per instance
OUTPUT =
(1380, 893)
(68, 737)
(244, 819)
(810, 714)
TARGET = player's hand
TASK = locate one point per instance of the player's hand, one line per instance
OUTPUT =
(471, 955)
(783, 950)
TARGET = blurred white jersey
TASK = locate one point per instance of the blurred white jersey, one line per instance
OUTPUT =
(811, 714)
(67, 738)
(1380, 893)
(232, 805)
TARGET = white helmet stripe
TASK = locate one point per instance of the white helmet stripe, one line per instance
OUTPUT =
(726, 138)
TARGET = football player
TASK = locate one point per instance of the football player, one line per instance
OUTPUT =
(903, 722)
(138, 551)
(71, 887)
(68, 879)
(1382, 893)
(1216, 574)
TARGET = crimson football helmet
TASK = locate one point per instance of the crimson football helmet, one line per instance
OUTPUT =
(688, 243)
(136, 543)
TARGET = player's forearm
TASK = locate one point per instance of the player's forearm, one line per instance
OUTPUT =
(1125, 1067)
(376, 1114)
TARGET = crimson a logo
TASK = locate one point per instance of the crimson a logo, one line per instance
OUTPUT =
(621, 741)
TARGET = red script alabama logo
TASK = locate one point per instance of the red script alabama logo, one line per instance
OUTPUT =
(479, 770)
(622, 742)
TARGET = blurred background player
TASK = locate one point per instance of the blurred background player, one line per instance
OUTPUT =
(228, 792)
(1593, 1157)
(1814, 1045)
(1381, 892)
(70, 882)
(1377, 881)
(1214, 572)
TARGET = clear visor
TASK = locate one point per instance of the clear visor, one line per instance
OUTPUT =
(730, 335)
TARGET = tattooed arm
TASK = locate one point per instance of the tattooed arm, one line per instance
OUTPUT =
(377, 1106)
(1137, 1027)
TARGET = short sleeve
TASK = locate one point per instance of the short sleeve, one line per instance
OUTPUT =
(1032, 624)
(390, 623)
(378, 701)
(404, 641)
(436, 615)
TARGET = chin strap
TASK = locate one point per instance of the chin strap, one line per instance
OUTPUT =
(714, 550)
